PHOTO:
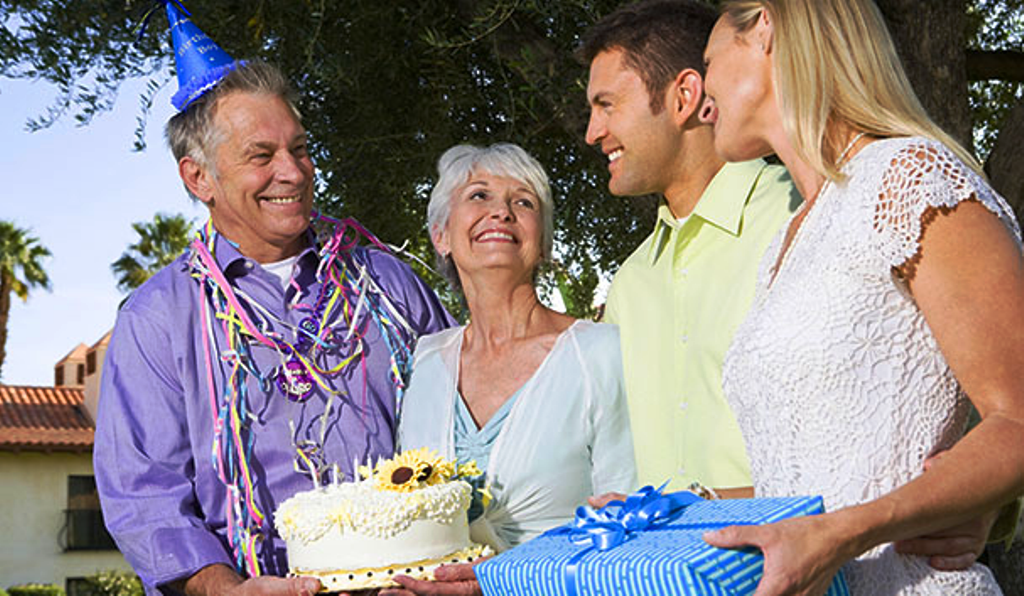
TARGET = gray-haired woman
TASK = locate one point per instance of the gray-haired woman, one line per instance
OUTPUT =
(534, 396)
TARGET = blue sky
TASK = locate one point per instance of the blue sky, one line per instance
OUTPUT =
(78, 189)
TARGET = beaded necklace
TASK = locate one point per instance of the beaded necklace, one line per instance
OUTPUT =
(347, 293)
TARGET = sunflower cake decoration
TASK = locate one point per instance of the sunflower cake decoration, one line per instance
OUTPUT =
(415, 469)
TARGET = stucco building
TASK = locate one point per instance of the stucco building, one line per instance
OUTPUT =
(51, 521)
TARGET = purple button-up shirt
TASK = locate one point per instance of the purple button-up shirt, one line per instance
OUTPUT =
(161, 497)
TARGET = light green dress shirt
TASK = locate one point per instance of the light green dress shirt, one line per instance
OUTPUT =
(678, 299)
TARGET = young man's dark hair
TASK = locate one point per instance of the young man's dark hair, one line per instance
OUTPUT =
(659, 38)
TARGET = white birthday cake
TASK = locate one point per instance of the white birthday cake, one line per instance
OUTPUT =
(407, 516)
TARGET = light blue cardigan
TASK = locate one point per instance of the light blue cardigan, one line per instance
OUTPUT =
(566, 438)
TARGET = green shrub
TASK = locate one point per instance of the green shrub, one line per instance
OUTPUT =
(115, 583)
(36, 590)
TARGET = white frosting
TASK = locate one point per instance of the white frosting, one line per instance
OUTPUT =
(424, 539)
(354, 526)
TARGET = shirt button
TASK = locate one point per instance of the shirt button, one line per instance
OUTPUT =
(683, 405)
(684, 338)
(684, 271)
(248, 264)
(681, 472)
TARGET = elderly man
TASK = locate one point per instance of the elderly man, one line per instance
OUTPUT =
(253, 365)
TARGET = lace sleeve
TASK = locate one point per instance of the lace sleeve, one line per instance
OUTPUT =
(920, 176)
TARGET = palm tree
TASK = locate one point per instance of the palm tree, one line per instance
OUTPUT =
(21, 269)
(160, 242)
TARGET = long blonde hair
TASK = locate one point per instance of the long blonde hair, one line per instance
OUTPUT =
(834, 61)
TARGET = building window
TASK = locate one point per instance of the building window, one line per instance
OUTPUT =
(81, 373)
(78, 586)
(58, 376)
(84, 523)
(90, 362)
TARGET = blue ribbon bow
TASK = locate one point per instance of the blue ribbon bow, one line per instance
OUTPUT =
(644, 510)
(612, 525)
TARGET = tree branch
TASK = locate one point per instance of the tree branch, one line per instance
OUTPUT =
(1005, 65)
(528, 51)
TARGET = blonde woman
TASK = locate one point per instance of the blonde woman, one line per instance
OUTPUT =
(896, 292)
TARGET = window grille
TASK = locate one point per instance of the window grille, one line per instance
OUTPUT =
(84, 528)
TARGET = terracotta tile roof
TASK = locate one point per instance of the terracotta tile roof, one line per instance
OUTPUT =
(43, 419)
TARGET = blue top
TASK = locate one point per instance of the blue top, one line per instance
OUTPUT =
(162, 499)
(565, 436)
(474, 444)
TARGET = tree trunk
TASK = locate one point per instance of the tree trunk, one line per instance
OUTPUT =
(929, 37)
(5, 310)
(1006, 162)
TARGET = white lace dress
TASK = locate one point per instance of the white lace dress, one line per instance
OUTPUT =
(836, 380)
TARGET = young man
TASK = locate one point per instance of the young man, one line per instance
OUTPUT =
(680, 296)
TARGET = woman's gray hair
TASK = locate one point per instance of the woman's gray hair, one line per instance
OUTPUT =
(455, 168)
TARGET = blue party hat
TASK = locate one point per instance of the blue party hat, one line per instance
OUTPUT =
(201, 63)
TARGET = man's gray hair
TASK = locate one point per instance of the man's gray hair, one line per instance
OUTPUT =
(192, 132)
(455, 168)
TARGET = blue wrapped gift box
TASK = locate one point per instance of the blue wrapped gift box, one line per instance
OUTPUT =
(626, 550)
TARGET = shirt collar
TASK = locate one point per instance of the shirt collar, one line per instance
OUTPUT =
(233, 263)
(721, 204)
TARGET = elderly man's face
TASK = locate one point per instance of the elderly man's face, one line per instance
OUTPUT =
(262, 193)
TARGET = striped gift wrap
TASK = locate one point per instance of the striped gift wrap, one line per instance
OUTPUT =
(666, 558)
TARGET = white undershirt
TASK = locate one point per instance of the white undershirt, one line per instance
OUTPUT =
(282, 269)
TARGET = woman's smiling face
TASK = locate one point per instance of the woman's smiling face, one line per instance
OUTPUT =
(740, 91)
(494, 221)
